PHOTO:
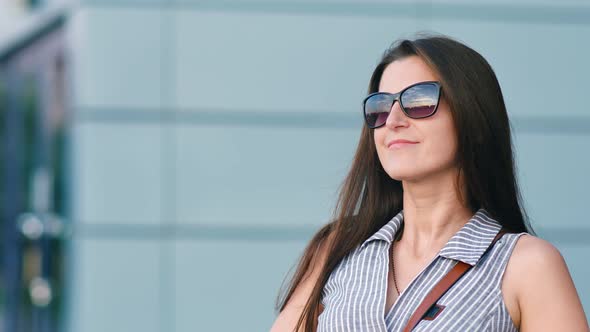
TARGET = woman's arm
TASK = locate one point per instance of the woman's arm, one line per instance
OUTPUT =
(288, 317)
(545, 292)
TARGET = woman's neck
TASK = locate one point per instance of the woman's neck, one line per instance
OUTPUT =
(433, 213)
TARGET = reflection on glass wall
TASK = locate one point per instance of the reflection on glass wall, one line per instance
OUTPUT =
(33, 204)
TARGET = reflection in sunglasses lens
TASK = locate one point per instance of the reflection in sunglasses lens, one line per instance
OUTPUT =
(377, 109)
(420, 101)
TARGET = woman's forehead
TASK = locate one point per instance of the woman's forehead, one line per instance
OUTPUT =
(405, 72)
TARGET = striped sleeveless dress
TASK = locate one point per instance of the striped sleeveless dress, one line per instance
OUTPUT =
(355, 293)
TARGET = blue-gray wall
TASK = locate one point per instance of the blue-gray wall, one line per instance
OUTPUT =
(198, 177)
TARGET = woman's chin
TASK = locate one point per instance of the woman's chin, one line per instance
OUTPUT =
(403, 175)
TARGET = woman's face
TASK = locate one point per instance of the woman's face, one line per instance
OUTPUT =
(435, 144)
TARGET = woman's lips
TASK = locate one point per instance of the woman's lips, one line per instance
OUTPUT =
(400, 143)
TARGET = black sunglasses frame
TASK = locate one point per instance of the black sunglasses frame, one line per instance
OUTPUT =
(397, 97)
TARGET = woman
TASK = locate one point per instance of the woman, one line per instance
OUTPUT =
(431, 185)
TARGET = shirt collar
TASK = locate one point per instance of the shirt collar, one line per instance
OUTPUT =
(467, 245)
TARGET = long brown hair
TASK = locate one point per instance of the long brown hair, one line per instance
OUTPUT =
(369, 198)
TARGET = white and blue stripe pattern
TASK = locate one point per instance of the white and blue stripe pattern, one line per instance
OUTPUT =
(355, 293)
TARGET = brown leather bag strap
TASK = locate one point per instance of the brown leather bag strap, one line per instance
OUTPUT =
(442, 286)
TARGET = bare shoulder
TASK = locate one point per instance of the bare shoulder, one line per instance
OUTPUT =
(533, 249)
(535, 254)
(537, 263)
(289, 316)
(539, 286)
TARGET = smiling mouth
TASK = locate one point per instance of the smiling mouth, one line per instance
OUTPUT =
(400, 145)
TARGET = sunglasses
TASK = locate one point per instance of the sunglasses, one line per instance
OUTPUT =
(417, 101)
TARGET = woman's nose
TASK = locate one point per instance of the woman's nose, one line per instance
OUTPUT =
(396, 117)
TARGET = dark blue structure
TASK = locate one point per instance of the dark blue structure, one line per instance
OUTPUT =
(33, 123)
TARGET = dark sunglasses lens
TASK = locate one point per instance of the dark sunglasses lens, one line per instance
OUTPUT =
(377, 109)
(420, 100)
